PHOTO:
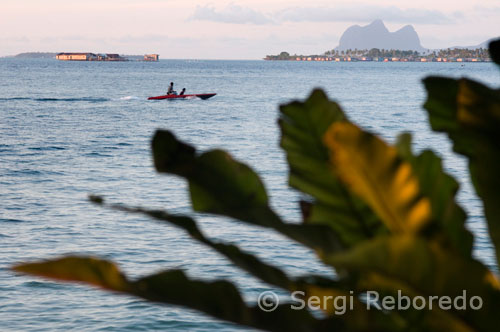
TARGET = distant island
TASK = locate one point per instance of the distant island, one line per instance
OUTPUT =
(36, 55)
(374, 42)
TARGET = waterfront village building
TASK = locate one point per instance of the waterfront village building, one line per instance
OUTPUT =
(89, 57)
(151, 57)
(76, 56)
(100, 57)
(113, 57)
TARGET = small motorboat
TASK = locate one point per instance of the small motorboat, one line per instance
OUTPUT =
(174, 96)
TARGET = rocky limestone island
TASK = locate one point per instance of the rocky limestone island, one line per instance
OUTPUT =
(376, 35)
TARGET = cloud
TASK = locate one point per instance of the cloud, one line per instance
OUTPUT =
(67, 38)
(231, 14)
(21, 39)
(148, 38)
(341, 13)
(487, 11)
(364, 13)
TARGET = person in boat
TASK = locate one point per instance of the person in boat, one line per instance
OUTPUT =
(170, 90)
(182, 92)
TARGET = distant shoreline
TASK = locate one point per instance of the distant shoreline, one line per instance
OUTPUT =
(318, 58)
(422, 60)
(383, 55)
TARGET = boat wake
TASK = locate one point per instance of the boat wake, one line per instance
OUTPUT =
(87, 99)
(130, 98)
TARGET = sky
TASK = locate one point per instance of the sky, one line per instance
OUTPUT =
(219, 29)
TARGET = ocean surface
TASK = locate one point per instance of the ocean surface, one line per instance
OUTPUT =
(68, 129)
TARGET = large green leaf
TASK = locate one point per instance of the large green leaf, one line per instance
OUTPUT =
(218, 183)
(469, 113)
(429, 319)
(419, 267)
(88, 270)
(448, 218)
(342, 222)
(374, 171)
(221, 185)
(303, 125)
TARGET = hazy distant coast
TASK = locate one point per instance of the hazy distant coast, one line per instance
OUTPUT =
(36, 55)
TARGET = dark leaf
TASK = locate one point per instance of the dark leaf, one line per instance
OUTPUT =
(469, 113)
(448, 218)
(221, 185)
(495, 51)
(419, 267)
(303, 125)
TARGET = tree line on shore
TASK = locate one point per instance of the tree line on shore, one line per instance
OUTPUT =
(480, 54)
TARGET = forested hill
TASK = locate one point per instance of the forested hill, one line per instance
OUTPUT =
(36, 55)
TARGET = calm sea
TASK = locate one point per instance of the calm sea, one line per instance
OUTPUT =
(68, 129)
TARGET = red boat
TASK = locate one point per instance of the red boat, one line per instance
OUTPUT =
(200, 95)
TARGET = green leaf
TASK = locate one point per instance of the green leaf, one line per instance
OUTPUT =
(303, 125)
(469, 113)
(245, 188)
(221, 185)
(88, 270)
(218, 183)
(416, 320)
(171, 155)
(419, 267)
(448, 218)
(174, 287)
(342, 222)
(374, 171)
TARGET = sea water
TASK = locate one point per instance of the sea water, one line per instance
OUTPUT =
(68, 129)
